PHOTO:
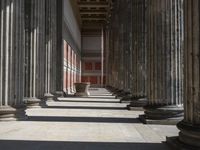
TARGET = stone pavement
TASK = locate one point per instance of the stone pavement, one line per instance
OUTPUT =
(99, 122)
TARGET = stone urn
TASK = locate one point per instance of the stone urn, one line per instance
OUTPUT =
(82, 89)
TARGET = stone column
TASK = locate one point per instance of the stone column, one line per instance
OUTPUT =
(119, 48)
(138, 63)
(120, 59)
(11, 59)
(125, 48)
(50, 42)
(54, 46)
(127, 40)
(121, 51)
(165, 62)
(115, 46)
(114, 55)
(107, 45)
(40, 80)
(34, 32)
(189, 135)
(139, 76)
(121, 41)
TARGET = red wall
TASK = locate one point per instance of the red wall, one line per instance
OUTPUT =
(93, 69)
(72, 72)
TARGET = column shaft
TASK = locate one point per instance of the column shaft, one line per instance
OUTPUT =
(34, 51)
(165, 60)
(139, 52)
(119, 53)
(50, 52)
(190, 126)
(60, 55)
(11, 58)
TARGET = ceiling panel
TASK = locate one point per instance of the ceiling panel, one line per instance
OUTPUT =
(94, 12)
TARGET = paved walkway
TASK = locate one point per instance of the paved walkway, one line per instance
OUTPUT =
(99, 122)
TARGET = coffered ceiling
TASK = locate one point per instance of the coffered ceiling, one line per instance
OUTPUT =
(94, 13)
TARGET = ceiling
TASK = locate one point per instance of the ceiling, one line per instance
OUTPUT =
(94, 13)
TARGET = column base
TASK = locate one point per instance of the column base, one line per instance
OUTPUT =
(116, 91)
(112, 90)
(166, 115)
(175, 143)
(126, 99)
(138, 104)
(59, 94)
(21, 113)
(65, 94)
(109, 88)
(82, 94)
(123, 94)
(49, 97)
(8, 113)
(169, 121)
(32, 102)
(189, 134)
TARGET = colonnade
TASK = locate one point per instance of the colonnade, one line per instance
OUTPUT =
(163, 61)
(118, 59)
(126, 48)
(30, 51)
(150, 51)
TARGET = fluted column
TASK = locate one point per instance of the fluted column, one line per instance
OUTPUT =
(124, 15)
(165, 62)
(40, 80)
(60, 55)
(139, 53)
(115, 55)
(53, 25)
(114, 49)
(190, 126)
(139, 49)
(11, 58)
(127, 46)
(50, 50)
(34, 32)
(119, 49)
